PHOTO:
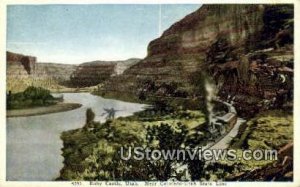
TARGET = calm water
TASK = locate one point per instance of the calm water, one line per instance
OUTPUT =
(34, 145)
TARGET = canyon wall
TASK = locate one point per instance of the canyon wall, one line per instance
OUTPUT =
(60, 72)
(23, 71)
(247, 50)
(20, 62)
(96, 72)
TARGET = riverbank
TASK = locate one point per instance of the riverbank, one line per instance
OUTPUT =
(63, 89)
(60, 107)
(27, 136)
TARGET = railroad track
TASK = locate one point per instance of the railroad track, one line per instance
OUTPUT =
(220, 143)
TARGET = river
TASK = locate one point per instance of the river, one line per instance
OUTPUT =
(33, 150)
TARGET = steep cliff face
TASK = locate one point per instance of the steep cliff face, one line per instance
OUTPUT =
(96, 72)
(23, 71)
(21, 66)
(232, 44)
(60, 72)
(14, 59)
(196, 32)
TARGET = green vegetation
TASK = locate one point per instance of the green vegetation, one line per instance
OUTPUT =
(268, 130)
(90, 116)
(31, 97)
(165, 137)
(91, 153)
(19, 85)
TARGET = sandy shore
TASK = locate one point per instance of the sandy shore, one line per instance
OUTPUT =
(73, 90)
(60, 107)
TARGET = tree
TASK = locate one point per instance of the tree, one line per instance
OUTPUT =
(90, 116)
(169, 138)
(196, 169)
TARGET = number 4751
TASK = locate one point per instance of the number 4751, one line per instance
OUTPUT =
(76, 183)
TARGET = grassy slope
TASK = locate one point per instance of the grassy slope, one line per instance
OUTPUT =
(268, 130)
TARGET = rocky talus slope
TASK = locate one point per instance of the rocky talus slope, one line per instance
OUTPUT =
(247, 50)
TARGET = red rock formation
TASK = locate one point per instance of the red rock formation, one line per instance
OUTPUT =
(96, 72)
(234, 44)
(196, 32)
(23, 71)
(28, 62)
(50, 74)
(91, 74)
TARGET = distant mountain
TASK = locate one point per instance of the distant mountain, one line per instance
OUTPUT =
(96, 72)
(23, 71)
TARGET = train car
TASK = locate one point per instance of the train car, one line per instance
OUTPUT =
(229, 119)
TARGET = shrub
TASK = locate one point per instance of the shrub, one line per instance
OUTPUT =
(90, 116)
(32, 96)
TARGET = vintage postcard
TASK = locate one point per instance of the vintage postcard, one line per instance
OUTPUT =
(148, 93)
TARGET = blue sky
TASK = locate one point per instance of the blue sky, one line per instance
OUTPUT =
(80, 33)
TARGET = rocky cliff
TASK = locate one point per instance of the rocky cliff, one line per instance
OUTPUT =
(60, 72)
(23, 71)
(247, 50)
(20, 61)
(96, 72)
